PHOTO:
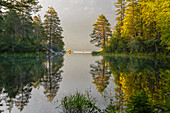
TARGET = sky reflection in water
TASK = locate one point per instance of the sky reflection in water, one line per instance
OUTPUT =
(37, 84)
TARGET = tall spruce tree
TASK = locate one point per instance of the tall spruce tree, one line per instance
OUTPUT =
(53, 30)
(130, 20)
(1, 19)
(38, 28)
(120, 5)
(101, 32)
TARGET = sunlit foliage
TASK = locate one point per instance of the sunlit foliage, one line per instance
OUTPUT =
(53, 30)
(142, 27)
(101, 32)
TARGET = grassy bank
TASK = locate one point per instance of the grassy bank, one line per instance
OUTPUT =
(138, 55)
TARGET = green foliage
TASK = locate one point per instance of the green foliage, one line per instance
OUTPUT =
(142, 27)
(20, 33)
(94, 53)
(31, 5)
(83, 103)
(79, 103)
(53, 30)
(120, 5)
(17, 36)
(118, 45)
(139, 103)
(101, 32)
(111, 108)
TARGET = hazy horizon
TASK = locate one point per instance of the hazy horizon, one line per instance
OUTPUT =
(77, 18)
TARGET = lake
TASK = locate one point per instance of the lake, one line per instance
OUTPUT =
(37, 85)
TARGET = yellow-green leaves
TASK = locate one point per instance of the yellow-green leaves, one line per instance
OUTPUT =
(142, 26)
(101, 32)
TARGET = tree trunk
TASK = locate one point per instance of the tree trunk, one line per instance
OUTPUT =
(50, 36)
(104, 37)
(22, 28)
(134, 17)
(103, 68)
(50, 74)
(104, 40)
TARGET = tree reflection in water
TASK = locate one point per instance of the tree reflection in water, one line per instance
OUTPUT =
(134, 78)
(101, 74)
(133, 75)
(20, 75)
(52, 77)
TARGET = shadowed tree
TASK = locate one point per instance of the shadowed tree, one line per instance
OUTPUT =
(17, 28)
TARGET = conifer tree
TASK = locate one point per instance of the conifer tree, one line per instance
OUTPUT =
(1, 19)
(101, 32)
(53, 30)
(120, 4)
(20, 5)
(38, 28)
(130, 21)
(25, 10)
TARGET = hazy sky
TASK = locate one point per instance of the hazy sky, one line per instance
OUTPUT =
(77, 18)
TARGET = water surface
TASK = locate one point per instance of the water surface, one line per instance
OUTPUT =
(36, 85)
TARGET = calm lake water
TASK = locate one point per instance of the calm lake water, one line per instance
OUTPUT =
(36, 85)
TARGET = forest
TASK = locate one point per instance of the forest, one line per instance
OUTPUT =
(143, 26)
(121, 83)
(21, 32)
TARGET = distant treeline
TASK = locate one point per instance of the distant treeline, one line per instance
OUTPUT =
(143, 26)
(20, 32)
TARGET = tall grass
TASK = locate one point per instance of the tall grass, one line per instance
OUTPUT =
(83, 103)
(79, 103)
